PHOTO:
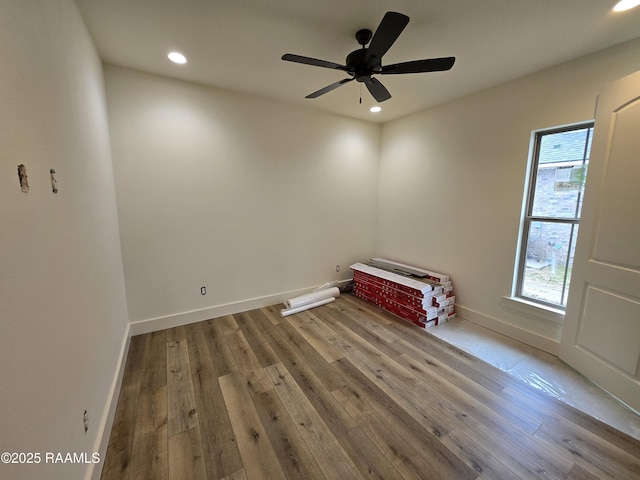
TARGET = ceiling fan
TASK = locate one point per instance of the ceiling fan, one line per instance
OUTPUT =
(363, 63)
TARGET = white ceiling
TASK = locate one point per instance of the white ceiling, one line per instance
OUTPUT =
(237, 44)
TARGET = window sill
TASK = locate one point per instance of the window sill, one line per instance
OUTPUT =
(544, 312)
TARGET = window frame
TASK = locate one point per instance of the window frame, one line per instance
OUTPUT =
(527, 217)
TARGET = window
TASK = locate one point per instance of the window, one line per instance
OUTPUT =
(551, 214)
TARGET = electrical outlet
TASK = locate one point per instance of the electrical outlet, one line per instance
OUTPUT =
(85, 421)
(203, 290)
(337, 268)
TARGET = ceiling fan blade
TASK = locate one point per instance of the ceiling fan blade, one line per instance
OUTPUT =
(290, 57)
(377, 90)
(419, 66)
(329, 88)
(388, 31)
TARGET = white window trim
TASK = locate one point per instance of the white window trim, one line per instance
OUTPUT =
(538, 310)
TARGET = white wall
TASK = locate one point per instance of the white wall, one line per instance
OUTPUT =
(452, 181)
(252, 199)
(62, 302)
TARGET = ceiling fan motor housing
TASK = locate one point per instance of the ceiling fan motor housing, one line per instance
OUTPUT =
(358, 66)
(357, 63)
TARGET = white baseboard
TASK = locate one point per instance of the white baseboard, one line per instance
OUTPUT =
(536, 340)
(176, 320)
(106, 422)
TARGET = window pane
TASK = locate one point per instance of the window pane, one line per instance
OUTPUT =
(562, 170)
(549, 259)
(564, 146)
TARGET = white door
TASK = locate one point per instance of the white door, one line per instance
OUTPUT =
(601, 333)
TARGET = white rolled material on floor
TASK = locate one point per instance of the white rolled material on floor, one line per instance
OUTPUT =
(312, 297)
(290, 311)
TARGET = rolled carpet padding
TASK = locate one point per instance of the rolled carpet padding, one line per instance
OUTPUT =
(290, 311)
(312, 297)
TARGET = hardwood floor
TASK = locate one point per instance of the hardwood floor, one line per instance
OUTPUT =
(343, 391)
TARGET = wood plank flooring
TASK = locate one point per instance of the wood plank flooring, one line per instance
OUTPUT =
(344, 391)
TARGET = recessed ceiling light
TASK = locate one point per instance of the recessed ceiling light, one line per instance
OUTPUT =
(623, 5)
(177, 57)
(375, 109)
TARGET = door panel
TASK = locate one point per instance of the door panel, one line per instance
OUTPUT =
(609, 328)
(620, 215)
(601, 333)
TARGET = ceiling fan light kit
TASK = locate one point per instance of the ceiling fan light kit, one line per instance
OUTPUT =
(365, 62)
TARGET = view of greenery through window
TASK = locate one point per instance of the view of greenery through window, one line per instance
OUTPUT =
(552, 214)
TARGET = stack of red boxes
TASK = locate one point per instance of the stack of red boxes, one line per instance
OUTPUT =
(426, 300)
